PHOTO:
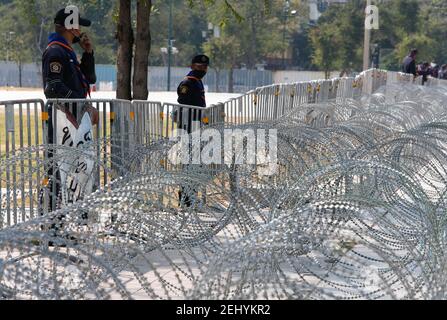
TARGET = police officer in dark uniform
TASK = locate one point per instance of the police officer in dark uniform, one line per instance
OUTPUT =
(191, 91)
(65, 78)
(409, 63)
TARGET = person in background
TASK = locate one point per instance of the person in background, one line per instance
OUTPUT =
(191, 92)
(409, 63)
(443, 72)
(424, 71)
(434, 70)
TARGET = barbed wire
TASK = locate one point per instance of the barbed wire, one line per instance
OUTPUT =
(354, 210)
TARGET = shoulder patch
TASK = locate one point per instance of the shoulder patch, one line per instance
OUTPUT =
(55, 67)
(184, 89)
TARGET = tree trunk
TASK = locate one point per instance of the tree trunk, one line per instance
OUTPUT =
(231, 80)
(39, 41)
(142, 49)
(253, 52)
(217, 79)
(20, 73)
(125, 50)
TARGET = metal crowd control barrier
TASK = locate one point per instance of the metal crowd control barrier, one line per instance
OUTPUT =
(21, 126)
(112, 139)
(272, 102)
(148, 120)
(176, 120)
(114, 136)
(433, 82)
(24, 143)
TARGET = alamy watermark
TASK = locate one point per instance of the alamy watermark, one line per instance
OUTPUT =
(372, 17)
(72, 21)
(258, 147)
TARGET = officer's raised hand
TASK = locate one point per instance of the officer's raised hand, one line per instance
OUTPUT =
(86, 43)
(63, 76)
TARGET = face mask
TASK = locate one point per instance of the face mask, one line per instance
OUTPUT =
(200, 74)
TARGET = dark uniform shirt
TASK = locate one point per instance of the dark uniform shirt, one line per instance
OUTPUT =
(409, 65)
(191, 92)
(63, 76)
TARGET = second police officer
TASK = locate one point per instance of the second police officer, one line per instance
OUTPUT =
(191, 91)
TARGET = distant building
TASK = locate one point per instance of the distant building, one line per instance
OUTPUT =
(317, 7)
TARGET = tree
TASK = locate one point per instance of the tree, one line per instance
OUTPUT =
(302, 48)
(126, 61)
(20, 54)
(338, 39)
(125, 51)
(434, 26)
(404, 24)
(187, 32)
(258, 29)
(35, 20)
(324, 43)
(142, 49)
(14, 40)
(103, 14)
(223, 52)
(424, 44)
(126, 42)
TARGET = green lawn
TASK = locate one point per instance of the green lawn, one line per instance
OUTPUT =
(28, 135)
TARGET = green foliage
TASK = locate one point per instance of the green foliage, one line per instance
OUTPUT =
(336, 38)
(187, 32)
(32, 20)
(13, 36)
(223, 51)
(404, 24)
(260, 32)
(251, 31)
(255, 27)
(426, 47)
(324, 42)
(224, 6)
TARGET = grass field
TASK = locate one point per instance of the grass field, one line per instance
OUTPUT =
(30, 134)
(22, 136)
